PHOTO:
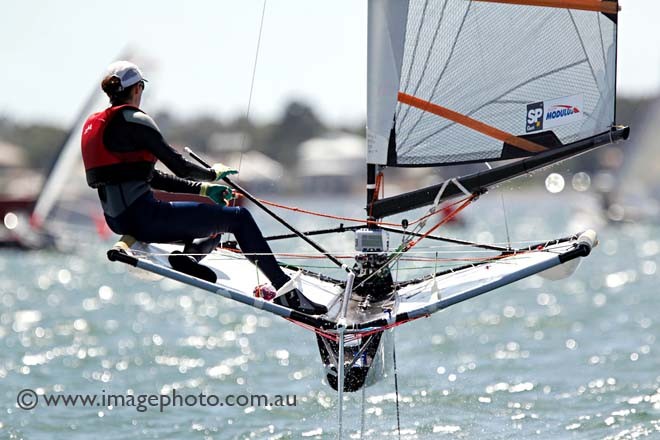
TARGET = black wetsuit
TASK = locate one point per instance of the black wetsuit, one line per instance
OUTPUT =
(131, 208)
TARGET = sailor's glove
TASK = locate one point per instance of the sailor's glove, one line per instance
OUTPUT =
(222, 171)
(220, 194)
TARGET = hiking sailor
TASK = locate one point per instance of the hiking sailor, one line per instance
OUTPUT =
(120, 147)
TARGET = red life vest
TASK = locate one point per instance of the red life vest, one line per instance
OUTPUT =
(103, 166)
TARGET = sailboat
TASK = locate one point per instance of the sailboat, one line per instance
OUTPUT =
(30, 227)
(630, 191)
(64, 198)
(524, 84)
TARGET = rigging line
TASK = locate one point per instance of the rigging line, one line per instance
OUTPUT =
(351, 255)
(396, 377)
(506, 221)
(340, 229)
(458, 269)
(431, 249)
(350, 219)
(396, 386)
(362, 413)
(444, 69)
(489, 247)
(433, 211)
(233, 255)
(254, 75)
(279, 219)
(443, 221)
(416, 232)
(398, 253)
(436, 202)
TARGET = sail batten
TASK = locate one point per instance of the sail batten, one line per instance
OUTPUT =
(501, 75)
(466, 121)
(605, 6)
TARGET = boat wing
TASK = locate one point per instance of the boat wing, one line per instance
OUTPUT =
(438, 292)
(237, 277)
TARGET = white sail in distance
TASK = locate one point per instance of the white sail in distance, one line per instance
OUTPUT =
(66, 175)
(68, 163)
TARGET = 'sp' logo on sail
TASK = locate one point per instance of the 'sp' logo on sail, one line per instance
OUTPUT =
(535, 117)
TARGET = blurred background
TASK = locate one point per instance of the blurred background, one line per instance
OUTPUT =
(71, 321)
(299, 127)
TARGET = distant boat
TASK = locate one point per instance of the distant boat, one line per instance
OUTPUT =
(12, 213)
(630, 186)
(30, 223)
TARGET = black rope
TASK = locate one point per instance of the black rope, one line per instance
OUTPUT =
(340, 228)
(396, 390)
(447, 240)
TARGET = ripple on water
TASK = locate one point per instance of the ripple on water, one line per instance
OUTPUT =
(536, 359)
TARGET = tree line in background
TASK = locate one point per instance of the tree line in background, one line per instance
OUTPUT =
(297, 123)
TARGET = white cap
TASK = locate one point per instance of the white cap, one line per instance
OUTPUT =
(127, 72)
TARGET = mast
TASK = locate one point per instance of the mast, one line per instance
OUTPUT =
(371, 187)
(385, 49)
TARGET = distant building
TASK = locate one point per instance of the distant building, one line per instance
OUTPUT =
(333, 163)
(257, 172)
(16, 180)
(232, 141)
(11, 156)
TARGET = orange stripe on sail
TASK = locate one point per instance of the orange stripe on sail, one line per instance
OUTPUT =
(605, 6)
(467, 121)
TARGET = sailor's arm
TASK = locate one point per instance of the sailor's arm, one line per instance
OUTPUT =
(166, 182)
(145, 132)
(173, 184)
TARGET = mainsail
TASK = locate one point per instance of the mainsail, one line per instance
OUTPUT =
(456, 81)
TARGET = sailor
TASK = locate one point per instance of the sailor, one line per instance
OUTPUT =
(120, 148)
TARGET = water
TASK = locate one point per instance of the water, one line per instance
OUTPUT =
(570, 359)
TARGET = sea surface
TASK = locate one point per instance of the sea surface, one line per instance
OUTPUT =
(577, 358)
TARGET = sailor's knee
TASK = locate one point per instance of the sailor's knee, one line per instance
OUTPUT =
(243, 214)
(236, 219)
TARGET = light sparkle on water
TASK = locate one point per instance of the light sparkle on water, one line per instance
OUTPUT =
(512, 362)
(555, 183)
(11, 221)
